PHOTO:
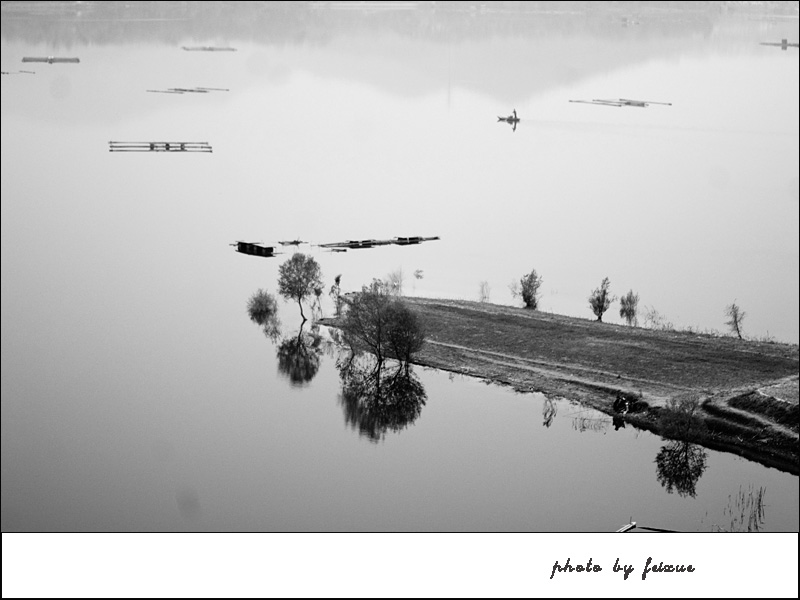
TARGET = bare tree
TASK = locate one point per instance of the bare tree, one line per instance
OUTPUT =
(655, 320)
(483, 291)
(394, 282)
(682, 418)
(601, 299)
(628, 307)
(735, 315)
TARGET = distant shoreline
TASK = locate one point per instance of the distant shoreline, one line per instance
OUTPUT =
(589, 362)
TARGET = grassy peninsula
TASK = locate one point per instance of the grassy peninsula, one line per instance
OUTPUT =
(748, 390)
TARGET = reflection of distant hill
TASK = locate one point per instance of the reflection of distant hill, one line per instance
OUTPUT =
(66, 23)
(412, 48)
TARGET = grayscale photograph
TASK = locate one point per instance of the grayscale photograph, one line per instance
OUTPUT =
(400, 267)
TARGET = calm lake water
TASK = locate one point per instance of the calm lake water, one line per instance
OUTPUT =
(138, 396)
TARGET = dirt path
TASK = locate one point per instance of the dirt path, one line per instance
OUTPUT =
(573, 374)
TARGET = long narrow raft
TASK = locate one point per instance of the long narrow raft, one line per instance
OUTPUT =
(50, 59)
(159, 147)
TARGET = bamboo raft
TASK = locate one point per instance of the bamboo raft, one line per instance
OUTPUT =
(356, 244)
(50, 59)
(159, 147)
(196, 90)
(209, 48)
(783, 44)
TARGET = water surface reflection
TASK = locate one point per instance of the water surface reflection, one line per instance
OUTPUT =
(299, 356)
(379, 398)
(263, 310)
(679, 466)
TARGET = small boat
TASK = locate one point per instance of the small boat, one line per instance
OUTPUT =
(632, 525)
(511, 119)
(254, 249)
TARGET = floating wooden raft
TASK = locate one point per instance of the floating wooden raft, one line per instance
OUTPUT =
(255, 249)
(159, 147)
(209, 48)
(356, 244)
(406, 241)
(784, 43)
(50, 59)
(197, 90)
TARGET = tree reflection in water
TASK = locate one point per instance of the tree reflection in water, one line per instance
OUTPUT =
(596, 424)
(263, 310)
(549, 411)
(679, 466)
(377, 398)
(299, 357)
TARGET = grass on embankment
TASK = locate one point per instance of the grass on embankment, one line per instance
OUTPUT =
(656, 358)
(589, 362)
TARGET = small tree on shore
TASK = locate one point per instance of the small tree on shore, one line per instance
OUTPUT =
(394, 282)
(299, 278)
(655, 320)
(682, 418)
(366, 319)
(628, 307)
(336, 294)
(601, 299)
(484, 291)
(405, 335)
(316, 305)
(528, 289)
(735, 317)
(382, 323)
